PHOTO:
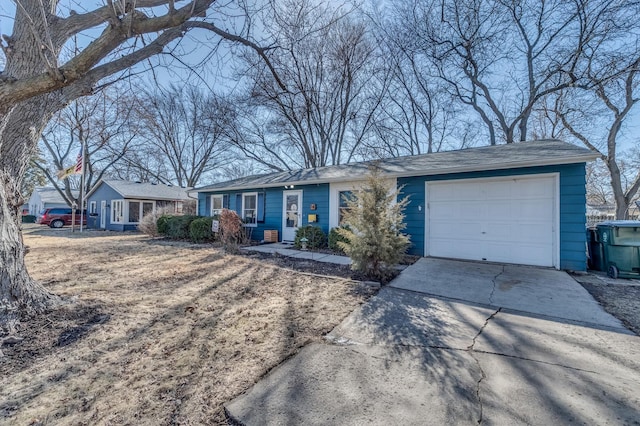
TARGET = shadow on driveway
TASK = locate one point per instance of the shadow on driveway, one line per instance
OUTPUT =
(407, 357)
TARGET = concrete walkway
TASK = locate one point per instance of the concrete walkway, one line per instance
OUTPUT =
(288, 250)
(411, 358)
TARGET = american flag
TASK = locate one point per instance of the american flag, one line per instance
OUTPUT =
(78, 168)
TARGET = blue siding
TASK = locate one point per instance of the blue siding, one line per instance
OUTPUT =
(317, 194)
(105, 193)
(572, 208)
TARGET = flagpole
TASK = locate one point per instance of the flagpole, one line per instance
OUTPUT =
(82, 184)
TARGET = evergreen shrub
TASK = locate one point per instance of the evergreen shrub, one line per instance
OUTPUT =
(200, 230)
(314, 234)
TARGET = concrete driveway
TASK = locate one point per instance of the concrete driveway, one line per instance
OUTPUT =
(460, 343)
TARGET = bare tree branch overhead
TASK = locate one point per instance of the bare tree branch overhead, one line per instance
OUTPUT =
(324, 109)
(41, 76)
(255, 85)
(184, 130)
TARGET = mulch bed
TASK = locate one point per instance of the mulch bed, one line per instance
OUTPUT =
(323, 268)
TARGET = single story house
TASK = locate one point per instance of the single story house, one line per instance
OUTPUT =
(521, 203)
(46, 198)
(118, 205)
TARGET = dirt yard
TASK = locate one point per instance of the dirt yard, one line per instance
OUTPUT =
(158, 332)
(621, 297)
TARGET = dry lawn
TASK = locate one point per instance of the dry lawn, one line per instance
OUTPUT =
(158, 332)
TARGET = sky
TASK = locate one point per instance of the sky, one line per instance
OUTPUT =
(207, 62)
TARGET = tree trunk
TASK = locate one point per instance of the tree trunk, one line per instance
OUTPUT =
(622, 209)
(524, 121)
(622, 203)
(17, 290)
(17, 143)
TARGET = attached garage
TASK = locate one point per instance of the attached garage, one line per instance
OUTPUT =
(521, 203)
(507, 220)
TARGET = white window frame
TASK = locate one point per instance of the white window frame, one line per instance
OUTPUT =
(213, 211)
(334, 199)
(340, 192)
(141, 207)
(353, 186)
(117, 206)
(255, 215)
(93, 207)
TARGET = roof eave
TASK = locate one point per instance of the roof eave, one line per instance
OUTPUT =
(583, 158)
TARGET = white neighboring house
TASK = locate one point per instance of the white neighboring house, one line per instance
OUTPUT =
(46, 198)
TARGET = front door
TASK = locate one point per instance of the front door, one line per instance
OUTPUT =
(103, 214)
(292, 214)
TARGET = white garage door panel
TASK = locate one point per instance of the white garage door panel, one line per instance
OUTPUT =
(522, 233)
(535, 210)
(445, 248)
(442, 230)
(509, 220)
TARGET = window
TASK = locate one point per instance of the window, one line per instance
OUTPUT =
(136, 209)
(93, 207)
(216, 204)
(134, 212)
(249, 208)
(147, 207)
(117, 207)
(343, 196)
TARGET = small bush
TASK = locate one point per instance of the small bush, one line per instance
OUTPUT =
(375, 242)
(149, 222)
(162, 224)
(231, 230)
(28, 218)
(200, 230)
(178, 227)
(335, 238)
(317, 238)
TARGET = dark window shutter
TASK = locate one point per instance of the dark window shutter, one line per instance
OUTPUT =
(261, 201)
(225, 201)
(239, 204)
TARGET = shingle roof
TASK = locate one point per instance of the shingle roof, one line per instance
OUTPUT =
(51, 195)
(147, 191)
(522, 154)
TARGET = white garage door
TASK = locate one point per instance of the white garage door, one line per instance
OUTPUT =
(507, 220)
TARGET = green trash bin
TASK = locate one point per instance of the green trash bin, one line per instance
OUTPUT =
(619, 248)
(596, 256)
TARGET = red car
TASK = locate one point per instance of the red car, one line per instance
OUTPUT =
(58, 217)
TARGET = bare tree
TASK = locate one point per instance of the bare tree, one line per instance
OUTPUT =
(416, 112)
(36, 82)
(501, 58)
(184, 129)
(598, 184)
(100, 127)
(609, 106)
(321, 105)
